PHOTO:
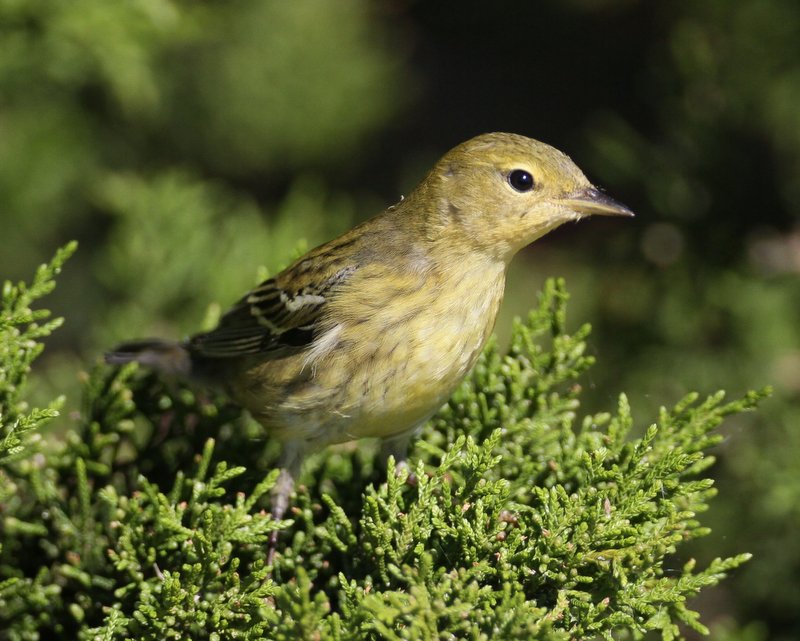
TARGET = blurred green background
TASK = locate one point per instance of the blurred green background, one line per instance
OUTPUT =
(194, 147)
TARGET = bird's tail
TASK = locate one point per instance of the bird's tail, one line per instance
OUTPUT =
(168, 357)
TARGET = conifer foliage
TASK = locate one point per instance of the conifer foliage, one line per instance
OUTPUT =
(145, 514)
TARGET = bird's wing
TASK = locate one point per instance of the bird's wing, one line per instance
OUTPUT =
(270, 319)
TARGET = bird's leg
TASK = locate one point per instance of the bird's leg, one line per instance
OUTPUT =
(289, 463)
(397, 446)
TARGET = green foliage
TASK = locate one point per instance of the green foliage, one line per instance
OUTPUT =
(148, 519)
(21, 332)
(92, 92)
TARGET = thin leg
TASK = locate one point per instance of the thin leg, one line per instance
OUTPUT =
(290, 461)
(397, 446)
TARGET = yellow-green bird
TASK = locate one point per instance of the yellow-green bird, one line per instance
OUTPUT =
(370, 333)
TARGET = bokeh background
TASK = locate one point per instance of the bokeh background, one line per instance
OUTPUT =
(195, 147)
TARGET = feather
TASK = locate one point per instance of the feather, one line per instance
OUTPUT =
(270, 320)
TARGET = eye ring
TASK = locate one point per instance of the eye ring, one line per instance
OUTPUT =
(521, 180)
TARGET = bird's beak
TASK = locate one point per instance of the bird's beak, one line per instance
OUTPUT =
(590, 201)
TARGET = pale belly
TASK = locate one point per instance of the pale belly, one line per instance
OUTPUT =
(425, 366)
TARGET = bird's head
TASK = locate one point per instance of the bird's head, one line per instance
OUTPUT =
(503, 191)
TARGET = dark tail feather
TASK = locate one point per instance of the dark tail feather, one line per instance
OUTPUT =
(169, 357)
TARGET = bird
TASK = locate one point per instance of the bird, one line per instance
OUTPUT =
(369, 334)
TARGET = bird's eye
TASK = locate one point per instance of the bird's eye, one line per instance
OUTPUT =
(520, 180)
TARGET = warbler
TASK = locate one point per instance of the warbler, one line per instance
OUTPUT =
(370, 333)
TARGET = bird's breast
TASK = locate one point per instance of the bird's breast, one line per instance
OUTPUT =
(396, 365)
(391, 352)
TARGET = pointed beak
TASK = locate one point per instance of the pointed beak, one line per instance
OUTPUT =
(592, 202)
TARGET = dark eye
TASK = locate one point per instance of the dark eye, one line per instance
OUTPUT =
(520, 180)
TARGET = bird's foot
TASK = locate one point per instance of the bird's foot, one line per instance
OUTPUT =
(280, 502)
